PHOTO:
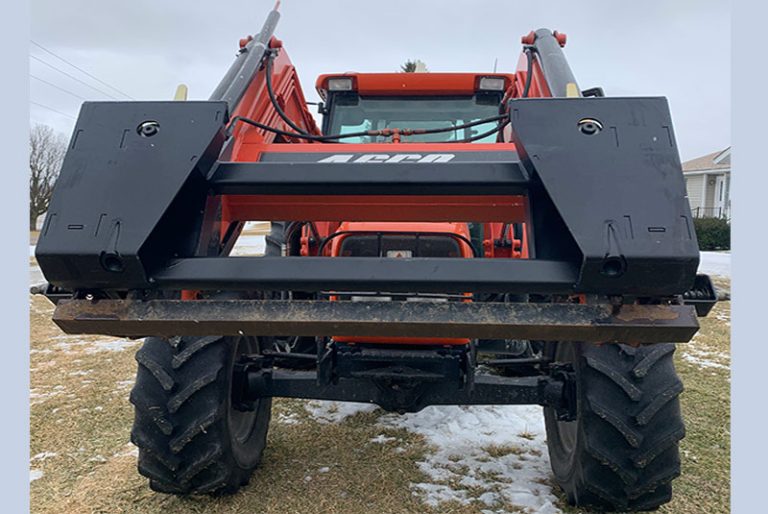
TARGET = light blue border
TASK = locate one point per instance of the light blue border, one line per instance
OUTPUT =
(749, 184)
(14, 257)
(750, 166)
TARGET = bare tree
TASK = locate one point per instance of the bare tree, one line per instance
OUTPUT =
(46, 153)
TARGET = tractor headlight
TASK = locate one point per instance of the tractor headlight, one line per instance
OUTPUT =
(491, 84)
(340, 84)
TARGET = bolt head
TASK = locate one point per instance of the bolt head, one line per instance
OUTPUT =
(148, 128)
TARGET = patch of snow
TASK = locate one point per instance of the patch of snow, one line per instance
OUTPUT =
(288, 419)
(35, 474)
(703, 363)
(485, 454)
(43, 456)
(111, 345)
(723, 317)
(249, 245)
(68, 347)
(67, 337)
(489, 499)
(715, 263)
(80, 373)
(704, 358)
(381, 439)
(125, 384)
(98, 458)
(324, 469)
(129, 451)
(333, 412)
(73, 344)
(38, 397)
(436, 494)
(35, 276)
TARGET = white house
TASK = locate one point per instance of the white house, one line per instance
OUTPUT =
(708, 181)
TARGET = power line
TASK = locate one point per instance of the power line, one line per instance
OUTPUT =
(74, 78)
(80, 69)
(57, 87)
(52, 109)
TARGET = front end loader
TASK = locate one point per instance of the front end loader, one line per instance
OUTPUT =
(442, 238)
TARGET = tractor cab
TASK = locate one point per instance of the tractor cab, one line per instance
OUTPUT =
(414, 108)
(381, 102)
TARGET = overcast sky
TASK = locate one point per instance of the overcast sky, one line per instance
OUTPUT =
(144, 48)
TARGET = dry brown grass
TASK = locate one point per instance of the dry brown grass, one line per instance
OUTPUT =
(497, 450)
(80, 411)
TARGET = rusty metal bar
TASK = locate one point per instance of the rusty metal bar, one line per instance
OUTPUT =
(549, 322)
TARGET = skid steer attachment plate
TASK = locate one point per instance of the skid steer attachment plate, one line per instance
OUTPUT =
(130, 192)
(606, 172)
(595, 323)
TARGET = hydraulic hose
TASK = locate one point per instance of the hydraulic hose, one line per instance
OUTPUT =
(502, 118)
(529, 73)
(272, 98)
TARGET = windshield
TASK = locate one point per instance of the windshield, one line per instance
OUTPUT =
(352, 113)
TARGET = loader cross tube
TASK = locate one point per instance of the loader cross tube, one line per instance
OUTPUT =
(426, 274)
(451, 178)
(552, 322)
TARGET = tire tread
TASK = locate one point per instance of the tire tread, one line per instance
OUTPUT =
(628, 431)
(180, 426)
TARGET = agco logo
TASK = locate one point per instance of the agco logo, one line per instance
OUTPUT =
(388, 159)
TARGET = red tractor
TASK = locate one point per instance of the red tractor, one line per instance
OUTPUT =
(435, 222)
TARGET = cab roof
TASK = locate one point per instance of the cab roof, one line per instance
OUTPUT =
(401, 84)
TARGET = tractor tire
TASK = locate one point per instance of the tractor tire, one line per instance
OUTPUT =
(275, 239)
(191, 438)
(621, 453)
